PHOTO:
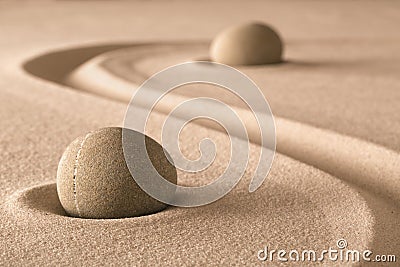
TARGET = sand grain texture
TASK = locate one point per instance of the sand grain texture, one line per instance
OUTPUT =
(337, 122)
(93, 179)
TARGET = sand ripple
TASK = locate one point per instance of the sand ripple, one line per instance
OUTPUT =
(299, 205)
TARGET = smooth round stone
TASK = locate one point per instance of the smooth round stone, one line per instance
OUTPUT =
(93, 180)
(248, 44)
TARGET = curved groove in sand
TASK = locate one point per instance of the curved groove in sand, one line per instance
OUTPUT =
(347, 158)
(55, 66)
(344, 157)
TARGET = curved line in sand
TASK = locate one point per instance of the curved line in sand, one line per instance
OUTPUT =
(367, 165)
(47, 65)
(55, 65)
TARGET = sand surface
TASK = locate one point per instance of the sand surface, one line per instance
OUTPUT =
(336, 174)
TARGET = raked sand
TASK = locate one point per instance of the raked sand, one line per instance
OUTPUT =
(336, 174)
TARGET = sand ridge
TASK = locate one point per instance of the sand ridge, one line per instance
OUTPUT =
(298, 206)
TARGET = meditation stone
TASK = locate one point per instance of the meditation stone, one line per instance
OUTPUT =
(93, 180)
(248, 44)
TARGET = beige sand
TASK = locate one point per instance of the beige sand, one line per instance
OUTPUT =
(299, 206)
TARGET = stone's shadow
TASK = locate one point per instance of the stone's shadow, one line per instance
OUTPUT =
(298, 64)
(43, 198)
(207, 59)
